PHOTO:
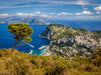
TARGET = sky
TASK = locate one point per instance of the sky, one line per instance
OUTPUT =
(53, 9)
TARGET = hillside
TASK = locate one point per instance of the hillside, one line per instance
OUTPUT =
(66, 41)
(13, 62)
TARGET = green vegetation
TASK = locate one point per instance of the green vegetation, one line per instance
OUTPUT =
(56, 25)
(22, 31)
(97, 35)
(83, 30)
(83, 46)
(60, 31)
(62, 44)
(13, 62)
(68, 41)
(96, 60)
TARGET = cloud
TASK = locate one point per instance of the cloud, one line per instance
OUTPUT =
(24, 14)
(45, 15)
(77, 2)
(38, 12)
(29, 14)
(63, 13)
(80, 2)
(3, 15)
(84, 12)
(31, 3)
(88, 17)
(97, 8)
(98, 12)
(52, 13)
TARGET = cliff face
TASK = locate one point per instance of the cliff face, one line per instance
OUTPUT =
(71, 41)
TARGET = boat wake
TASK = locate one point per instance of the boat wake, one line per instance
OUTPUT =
(30, 45)
(13, 39)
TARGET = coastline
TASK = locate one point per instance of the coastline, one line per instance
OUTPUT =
(43, 36)
(45, 51)
(31, 51)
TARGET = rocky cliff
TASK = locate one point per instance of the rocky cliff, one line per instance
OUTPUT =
(67, 41)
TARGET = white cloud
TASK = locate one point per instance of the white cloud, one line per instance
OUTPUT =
(84, 12)
(24, 14)
(52, 13)
(98, 8)
(78, 13)
(88, 17)
(30, 3)
(3, 15)
(98, 12)
(81, 2)
(63, 13)
(45, 15)
(29, 14)
(38, 12)
(77, 2)
(20, 14)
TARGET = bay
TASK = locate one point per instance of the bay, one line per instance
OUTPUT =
(7, 41)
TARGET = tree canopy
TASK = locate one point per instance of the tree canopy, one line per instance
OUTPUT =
(22, 31)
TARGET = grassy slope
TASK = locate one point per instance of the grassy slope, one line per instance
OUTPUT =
(19, 63)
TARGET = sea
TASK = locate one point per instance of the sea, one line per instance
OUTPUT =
(7, 41)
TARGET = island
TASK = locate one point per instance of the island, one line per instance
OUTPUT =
(66, 41)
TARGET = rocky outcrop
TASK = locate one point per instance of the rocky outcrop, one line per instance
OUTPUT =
(69, 41)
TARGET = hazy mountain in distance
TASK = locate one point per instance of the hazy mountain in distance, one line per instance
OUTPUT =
(27, 19)
(38, 21)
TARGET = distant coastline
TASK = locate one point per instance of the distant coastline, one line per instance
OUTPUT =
(2, 22)
(33, 21)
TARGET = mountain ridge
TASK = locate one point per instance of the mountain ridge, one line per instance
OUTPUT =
(29, 20)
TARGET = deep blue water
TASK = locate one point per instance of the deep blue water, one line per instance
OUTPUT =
(89, 25)
(7, 41)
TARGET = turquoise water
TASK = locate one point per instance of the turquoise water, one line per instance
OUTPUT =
(39, 50)
(7, 41)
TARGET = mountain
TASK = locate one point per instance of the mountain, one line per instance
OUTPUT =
(37, 21)
(30, 20)
(66, 41)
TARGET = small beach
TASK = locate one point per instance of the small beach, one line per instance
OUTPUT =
(44, 50)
